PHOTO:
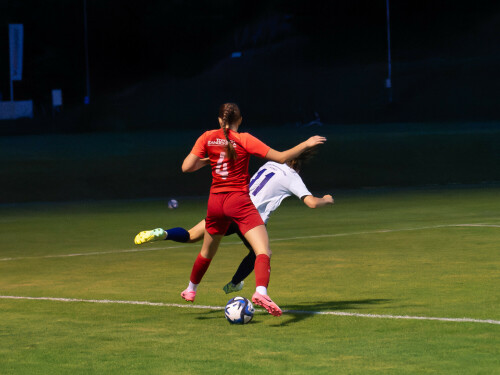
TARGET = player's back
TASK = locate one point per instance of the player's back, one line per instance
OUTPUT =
(272, 183)
(229, 175)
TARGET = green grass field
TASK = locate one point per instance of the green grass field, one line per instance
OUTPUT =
(387, 253)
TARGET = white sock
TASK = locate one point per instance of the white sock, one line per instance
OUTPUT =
(262, 290)
(192, 287)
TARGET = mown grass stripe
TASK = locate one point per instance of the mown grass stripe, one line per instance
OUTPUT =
(145, 249)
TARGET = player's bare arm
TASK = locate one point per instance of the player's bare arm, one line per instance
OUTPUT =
(315, 202)
(192, 163)
(284, 156)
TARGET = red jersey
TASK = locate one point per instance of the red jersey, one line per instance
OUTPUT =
(229, 175)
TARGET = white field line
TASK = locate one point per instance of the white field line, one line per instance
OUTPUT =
(386, 231)
(95, 253)
(291, 312)
(144, 249)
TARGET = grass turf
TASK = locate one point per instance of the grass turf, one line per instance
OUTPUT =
(332, 259)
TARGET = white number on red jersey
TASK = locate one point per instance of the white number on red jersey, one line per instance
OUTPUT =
(221, 168)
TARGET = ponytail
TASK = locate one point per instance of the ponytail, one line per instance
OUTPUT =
(229, 113)
(231, 152)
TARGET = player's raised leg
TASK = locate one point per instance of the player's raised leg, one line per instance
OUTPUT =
(157, 234)
(176, 234)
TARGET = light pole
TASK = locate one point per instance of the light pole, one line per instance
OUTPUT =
(388, 83)
(86, 41)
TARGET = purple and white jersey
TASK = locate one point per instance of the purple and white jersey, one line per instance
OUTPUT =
(272, 183)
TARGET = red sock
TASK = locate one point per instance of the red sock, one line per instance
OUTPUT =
(200, 266)
(262, 270)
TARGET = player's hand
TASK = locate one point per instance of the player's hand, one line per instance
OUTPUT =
(315, 140)
(328, 199)
(205, 161)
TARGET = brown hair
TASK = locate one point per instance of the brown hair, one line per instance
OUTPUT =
(296, 164)
(229, 113)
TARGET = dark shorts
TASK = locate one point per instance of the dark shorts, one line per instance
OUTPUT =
(224, 208)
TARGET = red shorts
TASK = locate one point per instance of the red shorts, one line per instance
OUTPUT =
(232, 206)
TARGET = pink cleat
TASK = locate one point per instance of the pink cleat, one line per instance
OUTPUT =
(267, 303)
(188, 295)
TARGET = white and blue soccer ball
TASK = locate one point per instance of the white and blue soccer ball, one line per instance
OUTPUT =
(239, 310)
(173, 204)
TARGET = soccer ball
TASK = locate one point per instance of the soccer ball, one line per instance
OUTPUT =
(239, 310)
(172, 204)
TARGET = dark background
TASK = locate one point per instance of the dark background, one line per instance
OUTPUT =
(159, 70)
(166, 64)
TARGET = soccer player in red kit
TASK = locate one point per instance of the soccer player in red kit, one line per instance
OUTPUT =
(229, 153)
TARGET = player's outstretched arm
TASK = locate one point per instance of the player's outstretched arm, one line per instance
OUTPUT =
(193, 163)
(315, 202)
(284, 156)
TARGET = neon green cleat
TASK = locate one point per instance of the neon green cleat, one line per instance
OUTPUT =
(150, 236)
(231, 288)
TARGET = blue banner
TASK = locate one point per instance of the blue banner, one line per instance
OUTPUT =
(16, 51)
